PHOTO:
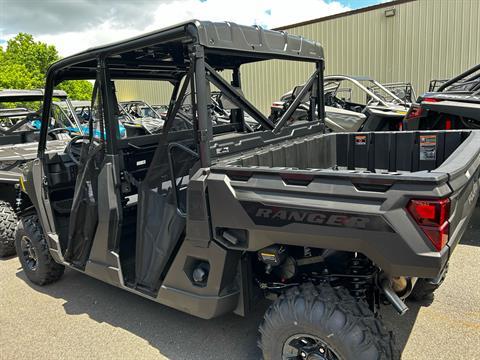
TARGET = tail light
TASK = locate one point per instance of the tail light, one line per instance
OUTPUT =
(432, 217)
(278, 105)
(414, 112)
(431, 100)
(448, 124)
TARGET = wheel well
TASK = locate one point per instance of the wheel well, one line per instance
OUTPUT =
(277, 268)
(23, 204)
(9, 193)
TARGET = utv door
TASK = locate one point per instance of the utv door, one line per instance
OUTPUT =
(161, 213)
(90, 150)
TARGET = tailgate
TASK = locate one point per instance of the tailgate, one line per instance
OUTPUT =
(333, 213)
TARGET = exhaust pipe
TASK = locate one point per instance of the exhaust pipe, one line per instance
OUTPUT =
(392, 296)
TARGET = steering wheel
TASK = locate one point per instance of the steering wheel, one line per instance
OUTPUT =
(74, 147)
(339, 103)
(54, 132)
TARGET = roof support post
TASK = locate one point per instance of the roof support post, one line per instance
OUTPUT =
(112, 132)
(237, 114)
(202, 90)
(320, 93)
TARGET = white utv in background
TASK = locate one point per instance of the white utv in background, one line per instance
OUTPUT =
(211, 219)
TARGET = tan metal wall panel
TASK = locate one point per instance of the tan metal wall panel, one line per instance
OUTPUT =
(153, 92)
(426, 39)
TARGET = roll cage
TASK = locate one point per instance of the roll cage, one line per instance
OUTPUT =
(24, 114)
(189, 55)
(468, 81)
(126, 106)
(333, 82)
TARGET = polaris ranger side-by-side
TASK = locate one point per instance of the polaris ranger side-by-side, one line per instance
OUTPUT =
(454, 104)
(209, 220)
(19, 132)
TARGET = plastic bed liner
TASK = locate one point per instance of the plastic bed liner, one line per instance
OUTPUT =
(415, 155)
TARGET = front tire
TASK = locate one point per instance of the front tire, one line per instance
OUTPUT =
(8, 222)
(321, 322)
(33, 253)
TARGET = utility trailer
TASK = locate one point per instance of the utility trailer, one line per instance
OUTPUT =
(211, 219)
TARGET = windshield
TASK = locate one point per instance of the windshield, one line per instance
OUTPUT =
(139, 110)
(65, 116)
(16, 116)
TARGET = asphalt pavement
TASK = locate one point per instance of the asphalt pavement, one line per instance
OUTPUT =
(83, 318)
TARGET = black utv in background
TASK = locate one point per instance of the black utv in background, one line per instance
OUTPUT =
(19, 133)
(213, 218)
(455, 104)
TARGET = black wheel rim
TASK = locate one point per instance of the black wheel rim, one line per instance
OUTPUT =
(29, 253)
(307, 347)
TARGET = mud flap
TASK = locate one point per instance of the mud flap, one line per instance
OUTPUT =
(159, 230)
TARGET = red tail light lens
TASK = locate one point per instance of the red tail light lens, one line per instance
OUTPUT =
(414, 112)
(432, 100)
(448, 124)
(278, 105)
(432, 217)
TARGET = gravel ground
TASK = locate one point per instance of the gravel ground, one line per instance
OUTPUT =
(82, 318)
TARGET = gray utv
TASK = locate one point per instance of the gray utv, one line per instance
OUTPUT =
(19, 132)
(210, 220)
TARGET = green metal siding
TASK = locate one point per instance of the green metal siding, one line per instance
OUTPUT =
(153, 92)
(426, 39)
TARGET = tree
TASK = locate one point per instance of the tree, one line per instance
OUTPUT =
(24, 65)
(77, 89)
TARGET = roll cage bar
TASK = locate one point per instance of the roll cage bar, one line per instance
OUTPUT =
(356, 81)
(193, 52)
(464, 79)
(122, 105)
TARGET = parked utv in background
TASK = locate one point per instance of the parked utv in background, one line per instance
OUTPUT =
(139, 118)
(19, 133)
(454, 105)
(403, 90)
(353, 103)
(211, 219)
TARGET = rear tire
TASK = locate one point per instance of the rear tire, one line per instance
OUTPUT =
(33, 253)
(8, 222)
(321, 322)
(424, 289)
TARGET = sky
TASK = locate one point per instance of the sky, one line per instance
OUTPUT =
(74, 25)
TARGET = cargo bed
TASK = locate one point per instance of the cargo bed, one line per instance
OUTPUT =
(366, 179)
(402, 155)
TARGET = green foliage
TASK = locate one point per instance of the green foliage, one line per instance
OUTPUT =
(24, 64)
(36, 56)
(81, 89)
(17, 76)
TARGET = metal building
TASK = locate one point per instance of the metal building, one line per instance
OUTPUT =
(403, 40)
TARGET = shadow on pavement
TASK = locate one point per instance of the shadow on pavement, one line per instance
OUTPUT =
(177, 335)
(472, 235)
(402, 326)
